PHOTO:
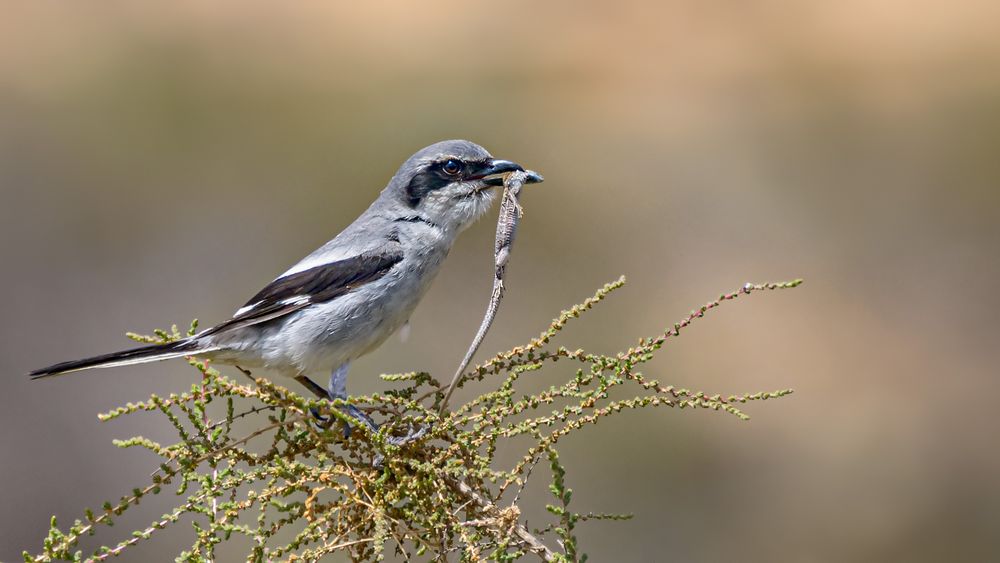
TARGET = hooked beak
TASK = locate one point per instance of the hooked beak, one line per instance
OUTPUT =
(492, 174)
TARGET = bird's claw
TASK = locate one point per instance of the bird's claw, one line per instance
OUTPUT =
(412, 435)
(357, 414)
(322, 422)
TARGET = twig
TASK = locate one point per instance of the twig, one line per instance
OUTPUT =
(243, 414)
(533, 544)
(247, 438)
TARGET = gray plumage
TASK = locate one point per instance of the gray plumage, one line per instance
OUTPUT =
(346, 298)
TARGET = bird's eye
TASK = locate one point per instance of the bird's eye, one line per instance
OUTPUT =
(452, 167)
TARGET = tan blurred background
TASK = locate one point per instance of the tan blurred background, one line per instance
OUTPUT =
(161, 163)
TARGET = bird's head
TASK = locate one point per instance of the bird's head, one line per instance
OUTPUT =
(450, 183)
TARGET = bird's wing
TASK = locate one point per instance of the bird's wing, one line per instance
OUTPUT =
(320, 283)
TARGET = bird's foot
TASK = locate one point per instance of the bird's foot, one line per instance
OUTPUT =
(322, 422)
(412, 435)
(357, 414)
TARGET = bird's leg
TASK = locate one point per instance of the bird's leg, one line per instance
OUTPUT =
(312, 386)
(315, 389)
(337, 389)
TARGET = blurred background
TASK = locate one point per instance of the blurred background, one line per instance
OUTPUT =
(159, 163)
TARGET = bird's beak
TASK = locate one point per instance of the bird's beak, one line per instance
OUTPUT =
(493, 173)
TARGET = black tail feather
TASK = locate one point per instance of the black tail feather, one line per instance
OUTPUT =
(139, 355)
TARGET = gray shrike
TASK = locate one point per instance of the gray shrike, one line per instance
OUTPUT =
(346, 298)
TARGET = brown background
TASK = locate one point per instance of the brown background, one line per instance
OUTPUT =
(161, 163)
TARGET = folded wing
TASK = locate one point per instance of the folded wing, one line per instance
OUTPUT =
(298, 290)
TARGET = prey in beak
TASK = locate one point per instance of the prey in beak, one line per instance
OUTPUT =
(492, 174)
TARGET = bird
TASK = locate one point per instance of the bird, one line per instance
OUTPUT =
(346, 298)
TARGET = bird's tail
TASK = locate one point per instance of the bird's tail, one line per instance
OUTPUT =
(141, 355)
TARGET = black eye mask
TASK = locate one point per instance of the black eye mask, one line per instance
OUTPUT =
(435, 177)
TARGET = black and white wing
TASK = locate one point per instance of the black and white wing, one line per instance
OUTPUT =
(298, 290)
